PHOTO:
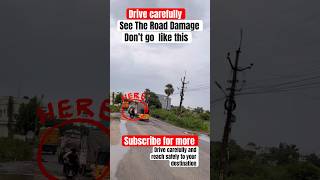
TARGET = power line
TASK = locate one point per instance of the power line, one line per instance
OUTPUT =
(197, 89)
(282, 90)
(306, 73)
(291, 82)
(275, 91)
(193, 89)
(288, 86)
(309, 71)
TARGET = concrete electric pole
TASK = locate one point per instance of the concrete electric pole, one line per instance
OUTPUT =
(230, 106)
(183, 81)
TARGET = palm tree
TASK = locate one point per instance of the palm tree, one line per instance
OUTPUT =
(168, 90)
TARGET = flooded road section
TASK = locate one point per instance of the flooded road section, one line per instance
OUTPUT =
(117, 152)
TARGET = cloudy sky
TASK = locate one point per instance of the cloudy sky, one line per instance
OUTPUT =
(137, 67)
(282, 39)
(56, 48)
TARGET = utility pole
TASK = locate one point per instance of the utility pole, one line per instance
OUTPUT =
(10, 115)
(113, 98)
(230, 106)
(183, 81)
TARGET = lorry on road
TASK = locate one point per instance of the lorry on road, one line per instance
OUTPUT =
(92, 146)
(94, 152)
(52, 141)
(102, 162)
(125, 105)
(141, 110)
(71, 139)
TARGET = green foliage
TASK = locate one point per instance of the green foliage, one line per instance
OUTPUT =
(27, 118)
(303, 171)
(118, 98)
(10, 116)
(205, 116)
(115, 108)
(198, 110)
(187, 119)
(168, 90)
(152, 99)
(313, 159)
(277, 163)
(13, 149)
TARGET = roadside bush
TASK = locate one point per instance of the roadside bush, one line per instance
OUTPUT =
(115, 108)
(187, 119)
(14, 150)
(254, 165)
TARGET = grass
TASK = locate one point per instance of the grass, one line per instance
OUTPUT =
(14, 150)
(115, 108)
(188, 119)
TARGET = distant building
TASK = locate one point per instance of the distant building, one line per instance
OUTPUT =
(257, 149)
(7, 103)
(164, 100)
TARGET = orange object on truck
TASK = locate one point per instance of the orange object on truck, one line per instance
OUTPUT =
(52, 141)
(125, 105)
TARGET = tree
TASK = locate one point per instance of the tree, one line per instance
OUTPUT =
(168, 90)
(198, 110)
(249, 165)
(205, 116)
(147, 95)
(152, 99)
(284, 154)
(27, 119)
(314, 159)
(10, 116)
(303, 171)
(118, 98)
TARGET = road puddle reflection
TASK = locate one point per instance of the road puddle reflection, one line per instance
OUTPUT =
(117, 152)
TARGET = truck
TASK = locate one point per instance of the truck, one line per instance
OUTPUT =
(94, 152)
(102, 162)
(92, 146)
(141, 110)
(71, 139)
(52, 141)
(125, 105)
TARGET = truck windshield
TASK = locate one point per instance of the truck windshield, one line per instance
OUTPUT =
(139, 107)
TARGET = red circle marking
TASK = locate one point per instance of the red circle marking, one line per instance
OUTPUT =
(49, 130)
(123, 114)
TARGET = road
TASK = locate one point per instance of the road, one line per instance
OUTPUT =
(132, 163)
(29, 170)
(54, 168)
(17, 170)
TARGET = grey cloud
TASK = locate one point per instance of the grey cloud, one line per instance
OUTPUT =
(282, 39)
(56, 48)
